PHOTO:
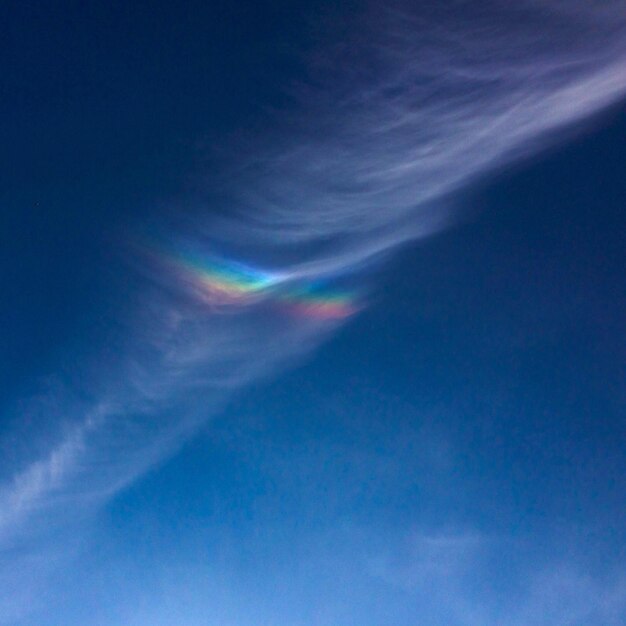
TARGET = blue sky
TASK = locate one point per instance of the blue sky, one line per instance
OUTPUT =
(182, 445)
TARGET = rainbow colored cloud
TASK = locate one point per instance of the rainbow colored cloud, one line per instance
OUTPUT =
(230, 283)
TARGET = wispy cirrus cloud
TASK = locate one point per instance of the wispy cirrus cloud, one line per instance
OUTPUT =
(414, 104)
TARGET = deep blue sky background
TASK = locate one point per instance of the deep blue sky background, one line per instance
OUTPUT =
(483, 391)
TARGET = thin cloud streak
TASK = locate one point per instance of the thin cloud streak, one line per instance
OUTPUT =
(425, 100)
